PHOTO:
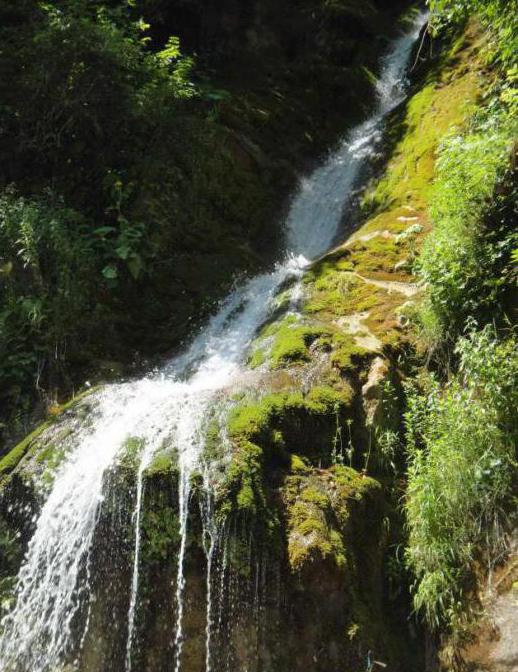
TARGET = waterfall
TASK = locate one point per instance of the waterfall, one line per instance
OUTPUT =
(53, 592)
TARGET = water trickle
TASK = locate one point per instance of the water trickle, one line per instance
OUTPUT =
(53, 593)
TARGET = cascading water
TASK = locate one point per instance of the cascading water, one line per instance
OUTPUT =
(53, 591)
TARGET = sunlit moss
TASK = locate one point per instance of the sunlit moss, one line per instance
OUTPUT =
(319, 506)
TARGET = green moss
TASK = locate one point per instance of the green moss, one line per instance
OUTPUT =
(291, 345)
(163, 463)
(7, 594)
(257, 358)
(212, 449)
(12, 459)
(319, 508)
(378, 256)
(430, 114)
(351, 484)
(50, 454)
(329, 288)
(259, 431)
(310, 532)
(299, 465)
(312, 495)
(338, 285)
(130, 451)
(256, 420)
(243, 490)
(347, 355)
(290, 342)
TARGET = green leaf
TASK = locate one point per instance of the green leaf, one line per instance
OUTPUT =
(110, 272)
(171, 50)
(135, 266)
(123, 251)
(104, 230)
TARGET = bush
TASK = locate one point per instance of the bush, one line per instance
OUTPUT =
(464, 260)
(46, 284)
(498, 16)
(462, 465)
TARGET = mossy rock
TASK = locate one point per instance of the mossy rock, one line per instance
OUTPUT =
(43, 447)
(319, 504)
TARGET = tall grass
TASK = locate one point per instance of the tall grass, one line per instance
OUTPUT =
(462, 466)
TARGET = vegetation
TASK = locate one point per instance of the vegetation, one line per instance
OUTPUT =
(461, 427)
(74, 128)
(462, 451)
(318, 513)
(466, 261)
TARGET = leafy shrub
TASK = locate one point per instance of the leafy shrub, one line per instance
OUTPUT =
(45, 281)
(464, 259)
(498, 16)
(82, 98)
(462, 464)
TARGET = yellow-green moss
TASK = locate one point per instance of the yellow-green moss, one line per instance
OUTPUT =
(251, 419)
(257, 430)
(292, 343)
(319, 504)
(383, 249)
(163, 463)
(299, 465)
(51, 456)
(12, 459)
(446, 101)
(257, 358)
(337, 293)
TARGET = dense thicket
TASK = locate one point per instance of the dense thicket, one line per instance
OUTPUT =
(83, 101)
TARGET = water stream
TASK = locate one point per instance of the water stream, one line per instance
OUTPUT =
(172, 405)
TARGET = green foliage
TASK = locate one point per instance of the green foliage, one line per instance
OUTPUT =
(464, 260)
(462, 453)
(47, 257)
(498, 16)
(81, 94)
(161, 533)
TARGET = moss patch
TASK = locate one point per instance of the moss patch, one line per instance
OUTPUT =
(284, 342)
(384, 248)
(260, 431)
(445, 102)
(319, 505)
(50, 454)
(164, 463)
(12, 459)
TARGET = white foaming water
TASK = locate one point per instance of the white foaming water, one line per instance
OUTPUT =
(53, 583)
